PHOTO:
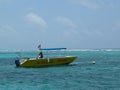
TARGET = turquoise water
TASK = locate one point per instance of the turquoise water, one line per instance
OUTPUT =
(80, 75)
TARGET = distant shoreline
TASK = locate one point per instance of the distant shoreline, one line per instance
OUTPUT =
(112, 49)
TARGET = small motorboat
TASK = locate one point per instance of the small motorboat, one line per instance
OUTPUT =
(43, 62)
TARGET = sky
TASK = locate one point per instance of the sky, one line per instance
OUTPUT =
(73, 24)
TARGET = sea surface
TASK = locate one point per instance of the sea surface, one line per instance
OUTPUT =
(79, 75)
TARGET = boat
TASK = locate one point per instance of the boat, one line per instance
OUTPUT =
(45, 62)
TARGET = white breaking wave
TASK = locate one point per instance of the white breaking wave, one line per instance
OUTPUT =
(94, 50)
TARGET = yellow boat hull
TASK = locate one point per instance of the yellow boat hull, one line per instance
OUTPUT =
(43, 62)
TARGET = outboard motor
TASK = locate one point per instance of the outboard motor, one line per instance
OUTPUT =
(17, 62)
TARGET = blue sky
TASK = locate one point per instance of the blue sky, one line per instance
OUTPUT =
(74, 24)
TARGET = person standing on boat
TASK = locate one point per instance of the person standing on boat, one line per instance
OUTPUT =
(40, 55)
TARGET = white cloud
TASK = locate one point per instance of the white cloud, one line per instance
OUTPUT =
(70, 27)
(35, 18)
(66, 21)
(92, 32)
(70, 32)
(6, 29)
(91, 4)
